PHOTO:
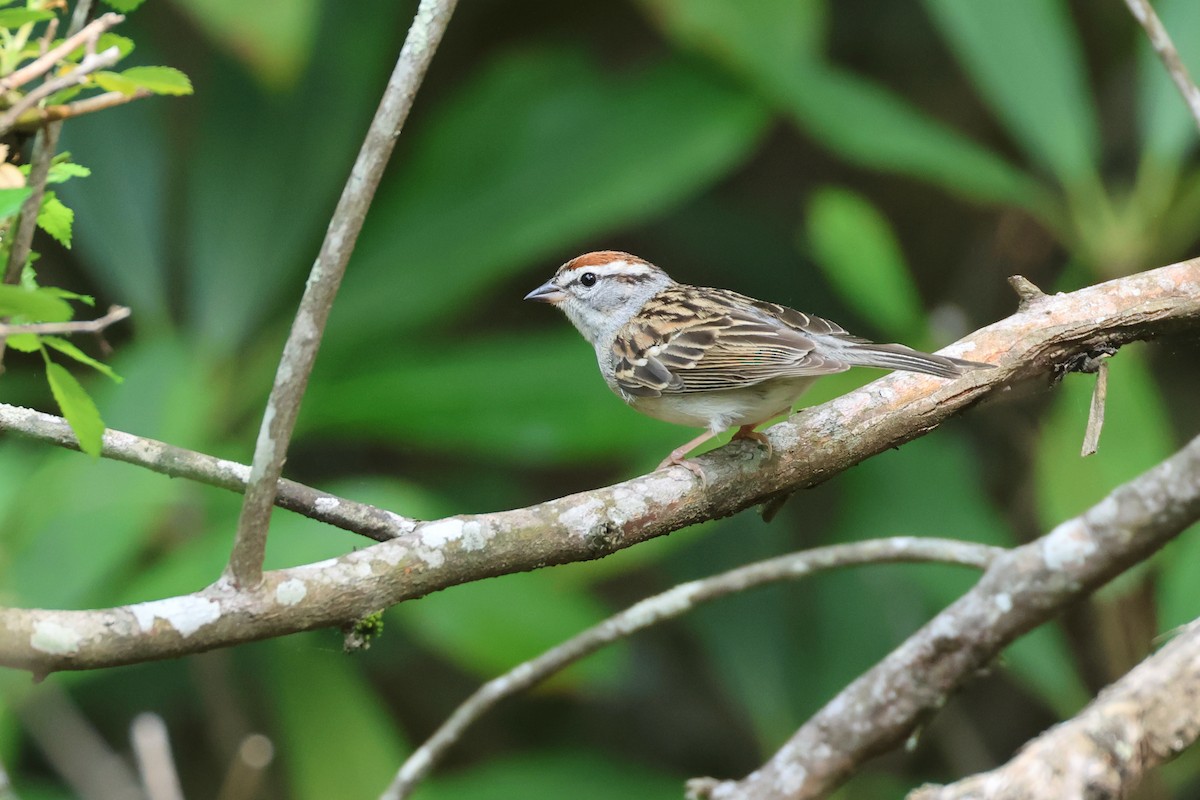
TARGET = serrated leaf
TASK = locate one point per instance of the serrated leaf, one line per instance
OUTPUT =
(124, 6)
(66, 348)
(160, 80)
(35, 305)
(16, 17)
(11, 200)
(67, 294)
(24, 342)
(61, 173)
(77, 406)
(856, 249)
(56, 219)
(115, 82)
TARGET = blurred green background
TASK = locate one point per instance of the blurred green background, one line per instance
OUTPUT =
(883, 164)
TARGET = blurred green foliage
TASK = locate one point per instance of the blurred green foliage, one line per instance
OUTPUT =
(885, 164)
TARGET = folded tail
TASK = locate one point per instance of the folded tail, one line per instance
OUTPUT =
(897, 356)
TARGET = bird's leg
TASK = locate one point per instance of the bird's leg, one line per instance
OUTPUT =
(678, 456)
(748, 432)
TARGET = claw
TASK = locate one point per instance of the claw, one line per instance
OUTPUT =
(748, 432)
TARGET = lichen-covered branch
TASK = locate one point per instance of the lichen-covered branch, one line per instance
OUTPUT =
(809, 448)
(1021, 589)
(1143, 720)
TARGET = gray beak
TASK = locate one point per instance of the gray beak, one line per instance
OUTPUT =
(546, 293)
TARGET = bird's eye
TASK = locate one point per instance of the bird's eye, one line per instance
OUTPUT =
(588, 279)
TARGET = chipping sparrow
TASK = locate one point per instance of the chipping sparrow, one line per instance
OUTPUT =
(705, 357)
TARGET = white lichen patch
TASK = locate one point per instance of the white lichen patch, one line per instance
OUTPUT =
(474, 536)
(1003, 602)
(1068, 545)
(326, 505)
(792, 775)
(391, 553)
(186, 614)
(627, 505)
(290, 592)
(51, 637)
(433, 558)
(581, 519)
(440, 533)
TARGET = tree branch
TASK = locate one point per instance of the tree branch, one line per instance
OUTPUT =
(178, 462)
(300, 351)
(809, 448)
(1143, 12)
(36, 117)
(671, 604)
(115, 314)
(1020, 590)
(1141, 721)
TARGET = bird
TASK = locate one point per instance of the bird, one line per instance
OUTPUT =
(706, 357)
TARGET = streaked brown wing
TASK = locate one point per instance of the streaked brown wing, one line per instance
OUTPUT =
(699, 350)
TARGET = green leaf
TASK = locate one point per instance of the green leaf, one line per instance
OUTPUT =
(56, 219)
(64, 95)
(115, 82)
(160, 80)
(315, 689)
(1025, 58)
(63, 171)
(67, 294)
(24, 342)
(16, 17)
(34, 305)
(124, 6)
(856, 249)
(68, 349)
(77, 406)
(12, 199)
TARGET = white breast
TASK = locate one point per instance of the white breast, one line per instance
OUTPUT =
(719, 411)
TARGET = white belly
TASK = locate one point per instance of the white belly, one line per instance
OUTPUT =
(719, 411)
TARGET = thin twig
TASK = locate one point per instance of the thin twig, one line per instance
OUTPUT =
(89, 64)
(36, 117)
(1023, 588)
(671, 604)
(1095, 422)
(115, 314)
(1140, 722)
(178, 462)
(300, 351)
(43, 64)
(156, 765)
(44, 145)
(1143, 12)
